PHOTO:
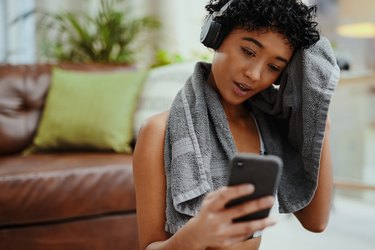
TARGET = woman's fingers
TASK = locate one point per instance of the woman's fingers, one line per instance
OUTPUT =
(217, 200)
(249, 207)
(215, 221)
(245, 229)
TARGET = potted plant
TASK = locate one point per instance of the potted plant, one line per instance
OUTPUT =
(111, 36)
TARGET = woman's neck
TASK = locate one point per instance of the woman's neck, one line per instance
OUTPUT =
(234, 112)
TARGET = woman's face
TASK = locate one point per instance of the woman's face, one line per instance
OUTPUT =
(247, 63)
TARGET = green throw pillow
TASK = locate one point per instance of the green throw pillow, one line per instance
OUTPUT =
(89, 111)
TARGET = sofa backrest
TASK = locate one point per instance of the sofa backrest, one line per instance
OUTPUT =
(23, 89)
(160, 89)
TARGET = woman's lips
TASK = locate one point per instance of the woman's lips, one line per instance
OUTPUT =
(241, 89)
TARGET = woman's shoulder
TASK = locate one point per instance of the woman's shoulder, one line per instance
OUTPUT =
(151, 134)
(154, 124)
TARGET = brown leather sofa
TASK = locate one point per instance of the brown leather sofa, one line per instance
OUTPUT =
(54, 201)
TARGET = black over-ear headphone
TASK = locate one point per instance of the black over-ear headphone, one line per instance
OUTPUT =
(211, 33)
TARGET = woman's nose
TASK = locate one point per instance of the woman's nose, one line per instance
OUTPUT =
(253, 73)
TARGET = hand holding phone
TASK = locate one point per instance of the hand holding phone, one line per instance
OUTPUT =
(264, 172)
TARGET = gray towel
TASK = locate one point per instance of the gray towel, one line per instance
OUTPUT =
(199, 145)
(298, 111)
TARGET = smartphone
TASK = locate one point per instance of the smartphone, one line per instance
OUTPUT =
(264, 172)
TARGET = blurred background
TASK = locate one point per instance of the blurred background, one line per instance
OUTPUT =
(170, 34)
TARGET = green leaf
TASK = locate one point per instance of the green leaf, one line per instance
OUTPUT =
(108, 36)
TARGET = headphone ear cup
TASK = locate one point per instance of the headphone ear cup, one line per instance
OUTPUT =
(211, 33)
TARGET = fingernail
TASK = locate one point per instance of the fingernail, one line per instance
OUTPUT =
(249, 188)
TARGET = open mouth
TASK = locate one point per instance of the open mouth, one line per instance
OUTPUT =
(243, 87)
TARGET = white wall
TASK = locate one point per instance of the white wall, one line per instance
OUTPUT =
(3, 31)
(181, 22)
(61, 5)
(18, 40)
(181, 25)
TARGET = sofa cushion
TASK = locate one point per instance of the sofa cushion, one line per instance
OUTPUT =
(89, 111)
(50, 187)
(22, 92)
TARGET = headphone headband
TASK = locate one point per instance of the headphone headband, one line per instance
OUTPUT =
(222, 9)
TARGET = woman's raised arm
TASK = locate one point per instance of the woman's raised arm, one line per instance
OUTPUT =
(315, 216)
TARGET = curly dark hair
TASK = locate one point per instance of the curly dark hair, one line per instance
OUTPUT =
(292, 18)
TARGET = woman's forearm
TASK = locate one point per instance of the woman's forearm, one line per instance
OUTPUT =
(315, 216)
(183, 239)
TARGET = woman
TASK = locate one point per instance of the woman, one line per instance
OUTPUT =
(255, 43)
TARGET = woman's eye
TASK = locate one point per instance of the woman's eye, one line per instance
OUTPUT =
(248, 52)
(274, 68)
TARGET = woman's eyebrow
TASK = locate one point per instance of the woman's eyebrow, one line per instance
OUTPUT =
(282, 59)
(256, 42)
(260, 45)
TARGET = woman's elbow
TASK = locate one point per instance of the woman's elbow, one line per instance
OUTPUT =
(316, 226)
(313, 222)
